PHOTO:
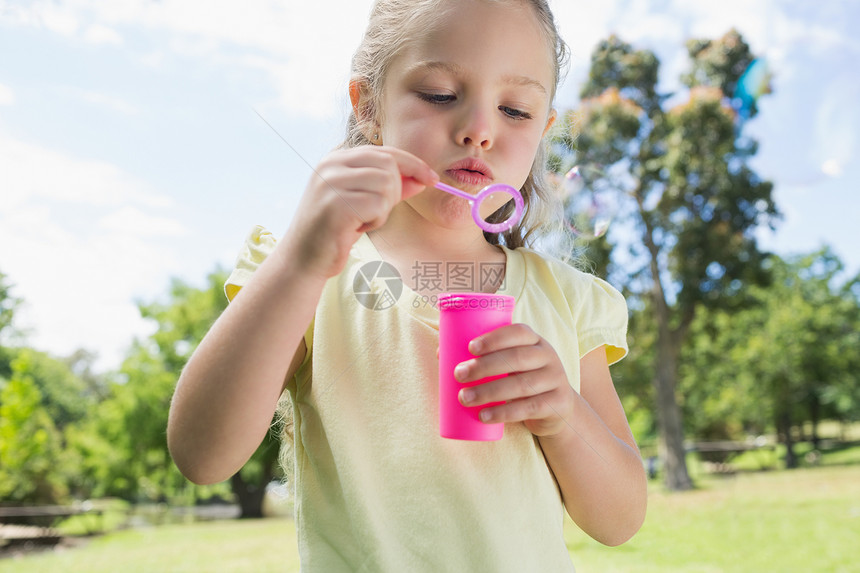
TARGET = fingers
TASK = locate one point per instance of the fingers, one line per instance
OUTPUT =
(516, 359)
(351, 192)
(535, 389)
(543, 414)
(368, 181)
(504, 337)
(372, 179)
(512, 348)
(415, 174)
(508, 388)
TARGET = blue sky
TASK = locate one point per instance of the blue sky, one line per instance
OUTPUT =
(130, 150)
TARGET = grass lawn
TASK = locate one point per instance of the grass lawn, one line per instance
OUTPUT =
(252, 546)
(802, 520)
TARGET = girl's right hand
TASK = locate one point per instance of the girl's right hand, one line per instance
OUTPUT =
(351, 192)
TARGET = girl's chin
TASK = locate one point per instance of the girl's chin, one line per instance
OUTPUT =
(456, 213)
(446, 211)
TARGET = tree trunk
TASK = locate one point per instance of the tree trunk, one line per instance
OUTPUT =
(671, 431)
(815, 417)
(249, 495)
(250, 492)
(783, 424)
(670, 441)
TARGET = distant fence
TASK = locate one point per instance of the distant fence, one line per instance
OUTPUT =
(720, 453)
(716, 455)
(36, 524)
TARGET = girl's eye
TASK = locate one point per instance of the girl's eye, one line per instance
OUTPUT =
(514, 113)
(436, 98)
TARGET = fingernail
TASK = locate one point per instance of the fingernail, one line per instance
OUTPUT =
(476, 346)
(486, 415)
(466, 396)
(461, 371)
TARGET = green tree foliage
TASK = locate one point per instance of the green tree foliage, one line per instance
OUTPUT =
(693, 201)
(124, 445)
(790, 358)
(35, 468)
(634, 377)
(66, 432)
(8, 305)
(182, 323)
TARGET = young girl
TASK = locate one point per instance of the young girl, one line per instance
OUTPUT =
(462, 90)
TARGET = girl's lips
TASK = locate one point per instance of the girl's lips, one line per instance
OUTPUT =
(466, 177)
(470, 171)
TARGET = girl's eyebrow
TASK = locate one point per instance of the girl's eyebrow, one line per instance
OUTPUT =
(456, 70)
(524, 81)
(432, 66)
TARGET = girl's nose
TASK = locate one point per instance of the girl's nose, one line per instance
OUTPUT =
(475, 129)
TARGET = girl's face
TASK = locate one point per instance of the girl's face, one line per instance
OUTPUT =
(472, 99)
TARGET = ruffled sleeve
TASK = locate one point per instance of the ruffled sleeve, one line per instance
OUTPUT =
(602, 320)
(258, 245)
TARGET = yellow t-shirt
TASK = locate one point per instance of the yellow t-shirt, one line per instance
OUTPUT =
(377, 488)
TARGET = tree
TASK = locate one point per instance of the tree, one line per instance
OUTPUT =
(788, 359)
(31, 445)
(692, 204)
(811, 328)
(41, 400)
(8, 305)
(134, 416)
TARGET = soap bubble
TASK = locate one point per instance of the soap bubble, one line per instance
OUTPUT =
(590, 200)
(752, 85)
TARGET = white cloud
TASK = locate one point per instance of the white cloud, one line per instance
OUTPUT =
(303, 49)
(132, 221)
(307, 63)
(78, 288)
(836, 123)
(80, 244)
(832, 167)
(59, 19)
(32, 171)
(99, 34)
(104, 100)
(7, 96)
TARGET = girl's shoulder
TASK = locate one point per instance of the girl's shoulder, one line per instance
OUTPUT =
(596, 309)
(258, 245)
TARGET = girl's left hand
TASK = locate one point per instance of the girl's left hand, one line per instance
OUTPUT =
(536, 390)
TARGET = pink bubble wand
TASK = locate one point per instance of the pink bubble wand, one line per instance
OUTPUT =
(484, 193)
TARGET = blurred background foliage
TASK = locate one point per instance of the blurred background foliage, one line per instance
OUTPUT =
(67, 433)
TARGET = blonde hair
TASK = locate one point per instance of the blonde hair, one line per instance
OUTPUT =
(391, 27)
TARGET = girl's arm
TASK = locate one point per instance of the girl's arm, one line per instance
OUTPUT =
(585, 437)
(227, 394)
(595, 458)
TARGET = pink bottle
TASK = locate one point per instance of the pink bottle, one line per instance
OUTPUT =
(463, 317)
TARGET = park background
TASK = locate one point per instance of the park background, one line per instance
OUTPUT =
(133, 164)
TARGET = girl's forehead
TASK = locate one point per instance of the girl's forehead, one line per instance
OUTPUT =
(474, 36)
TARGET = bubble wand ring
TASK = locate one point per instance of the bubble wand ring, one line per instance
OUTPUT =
(484, 193)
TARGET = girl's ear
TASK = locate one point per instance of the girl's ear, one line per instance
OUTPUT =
(550, 121)
(359, 96)
(356, 89)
